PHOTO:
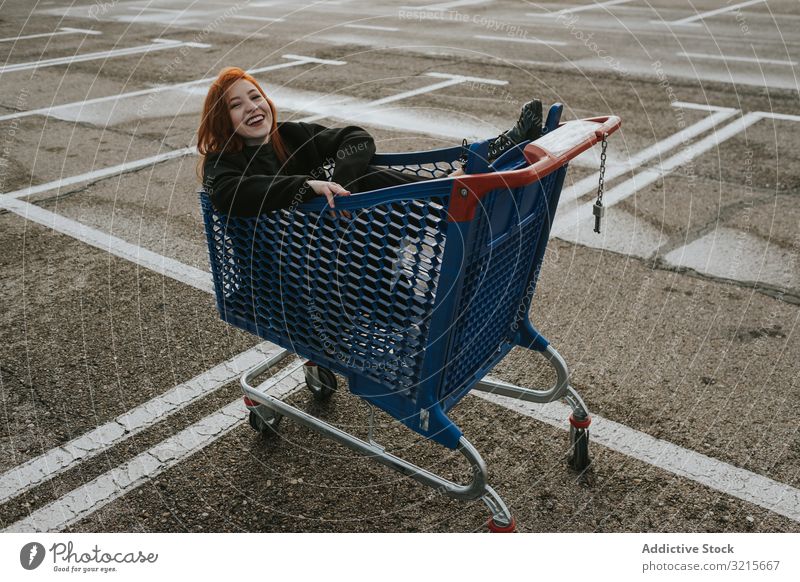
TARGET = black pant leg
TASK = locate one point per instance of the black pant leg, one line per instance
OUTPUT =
(376, 177)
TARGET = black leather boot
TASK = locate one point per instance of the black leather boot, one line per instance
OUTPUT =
(528, 127)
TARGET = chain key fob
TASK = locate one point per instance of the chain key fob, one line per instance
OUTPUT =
(598, 210)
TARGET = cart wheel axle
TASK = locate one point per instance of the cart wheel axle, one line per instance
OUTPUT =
(320, 381)
(264, 423)
(580, 460)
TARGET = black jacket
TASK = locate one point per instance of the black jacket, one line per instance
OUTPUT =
(253, 181)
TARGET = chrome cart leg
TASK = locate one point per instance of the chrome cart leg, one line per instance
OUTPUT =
(579, 420)
(501, 521)
(475, 489)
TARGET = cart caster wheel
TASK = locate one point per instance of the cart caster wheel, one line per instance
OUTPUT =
(494, 527)
(580, 460)
(266, 422)
(320, 381)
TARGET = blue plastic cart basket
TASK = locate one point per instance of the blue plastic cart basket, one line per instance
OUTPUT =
(412, 293)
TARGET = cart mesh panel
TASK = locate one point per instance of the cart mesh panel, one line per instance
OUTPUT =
(359, 290)
(494, 280)
(432, 170)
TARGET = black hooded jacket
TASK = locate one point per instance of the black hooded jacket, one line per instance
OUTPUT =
(253, 181)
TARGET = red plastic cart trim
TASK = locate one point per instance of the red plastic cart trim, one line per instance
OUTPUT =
(469, 190)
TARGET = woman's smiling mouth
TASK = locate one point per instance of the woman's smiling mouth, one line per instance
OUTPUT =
(255, 120)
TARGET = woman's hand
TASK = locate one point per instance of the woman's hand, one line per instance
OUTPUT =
(327, 189)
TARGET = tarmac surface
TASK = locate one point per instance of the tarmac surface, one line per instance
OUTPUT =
(121, 409)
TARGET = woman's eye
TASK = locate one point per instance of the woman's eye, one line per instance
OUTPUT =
(235, 105)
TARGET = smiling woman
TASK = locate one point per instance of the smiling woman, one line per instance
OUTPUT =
(253, 164)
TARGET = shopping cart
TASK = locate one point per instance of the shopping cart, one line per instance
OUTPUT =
(412, 293)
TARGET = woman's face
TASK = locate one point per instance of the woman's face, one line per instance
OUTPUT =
(249, 111)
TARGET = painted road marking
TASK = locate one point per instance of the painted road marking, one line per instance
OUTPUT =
(449, 81)
(570, 220)
(736, 255)
(294, 61)
(150, 9)
(371, 27)
(259, 18)
(447, 5)
(116, 246)
(99, 174)
(591, 6)
(726, 58)
(704, 15)
(780, 116)
(82, 502)
(96, 494)
(669, 144)
(464, 79)
(740, 483)
(54, 462)
(157, 45)
(61, 31)
(521, 40)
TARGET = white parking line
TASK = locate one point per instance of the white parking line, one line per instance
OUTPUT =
(780, 116)
(294, 61)
(371, 27)
(449, 81)
(704, 15)
(591, 6)
(99, 492)
(259, 18)
(571, 219)
(157, 45)
(80, 503)
(521, 40)
(98, 174)
(46, 466)
(740, 483)
(152, 9)
(116, 246)
(655, 151)
(727, 58)
(447, 5)
(467, 79)
(61, 32)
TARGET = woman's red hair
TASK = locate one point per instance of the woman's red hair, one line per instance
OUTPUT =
(216, 133)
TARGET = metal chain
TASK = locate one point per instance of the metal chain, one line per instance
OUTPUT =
(597, 209)
(601, 183)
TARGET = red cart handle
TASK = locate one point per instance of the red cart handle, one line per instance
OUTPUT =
(545, 155)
